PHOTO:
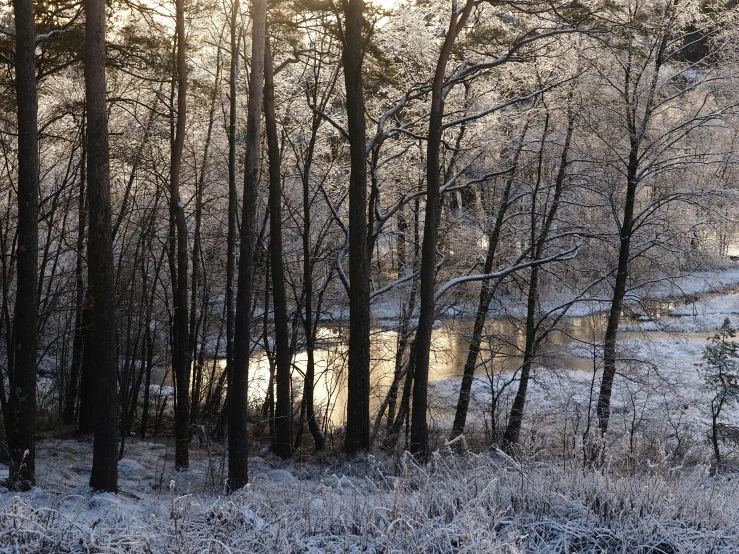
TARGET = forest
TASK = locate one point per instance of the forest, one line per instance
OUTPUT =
(384, 276)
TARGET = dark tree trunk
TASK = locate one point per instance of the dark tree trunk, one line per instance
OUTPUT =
(196, 254)
(283, 407)
(232, 202)
(104, 474)
(148, 293)
(619, 292)
(149, 344)
(358, 416)
(636, 127)
(87, 377)
(404, 328)
(419, 428)
(21, 423)
(319, 438)
(238, 431)
(181, 361)
(405, 404)
(268, 408)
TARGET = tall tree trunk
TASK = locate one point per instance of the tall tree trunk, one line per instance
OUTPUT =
(405, 330)
(283, 407)
(319, 438)
(149, 295)
(232, 200)
(419, 428)
(87, 369)
(104, 474)
(638, 111)
(619, 292)
(196, 252)
(357, 417)
(181, 361)
(149, 350)
(22, 398)
(238, 432)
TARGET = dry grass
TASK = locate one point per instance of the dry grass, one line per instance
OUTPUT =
(456, 504)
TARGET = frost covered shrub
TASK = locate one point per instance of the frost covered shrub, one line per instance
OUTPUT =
(720, 370)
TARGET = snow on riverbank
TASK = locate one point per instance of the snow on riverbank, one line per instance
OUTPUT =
(659, 401)
(700, 282)
(666, 502)
(703, 315)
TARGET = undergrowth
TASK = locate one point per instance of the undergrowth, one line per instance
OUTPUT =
(466, 503)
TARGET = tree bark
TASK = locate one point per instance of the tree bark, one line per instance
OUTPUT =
(73, 387)
(283, 408)
(232, 198)
(196, 254)
(619, 292)
(309, 329)
(238, 437)
(636, 129)
(513, 430)
(358, 416)
(181, 361)
(487, 291)
(22, 398)
(104, 474)
(419, 428)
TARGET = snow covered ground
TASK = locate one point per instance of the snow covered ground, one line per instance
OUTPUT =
(703, 315)
(457, 504)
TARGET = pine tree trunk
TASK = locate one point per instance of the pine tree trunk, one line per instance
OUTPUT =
(22, 398)
(283, 408)
(358, 417)
(215, 399)
(238, 431)
(75, 372)
(181, 361)
(419, 428)
(104, 474)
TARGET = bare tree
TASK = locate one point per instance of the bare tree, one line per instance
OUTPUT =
(181, 358)
(283, 408)
(419, 429)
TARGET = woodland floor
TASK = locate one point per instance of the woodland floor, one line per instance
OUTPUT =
(458, 503)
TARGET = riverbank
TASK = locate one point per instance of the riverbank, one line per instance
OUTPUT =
(700, 282)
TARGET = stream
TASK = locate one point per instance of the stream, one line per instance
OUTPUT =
(500, 354)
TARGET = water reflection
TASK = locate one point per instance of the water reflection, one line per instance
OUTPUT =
(501, 353)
